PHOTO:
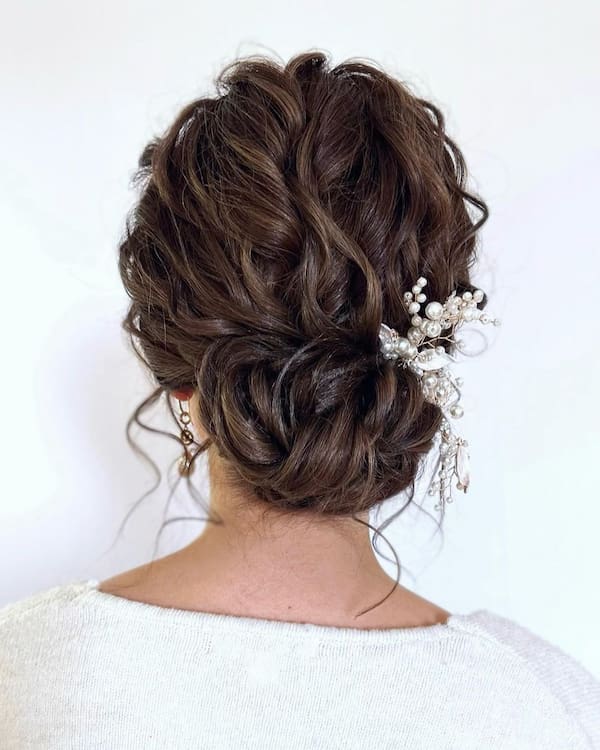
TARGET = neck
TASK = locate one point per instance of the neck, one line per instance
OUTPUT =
(264, 563)
(276, 560)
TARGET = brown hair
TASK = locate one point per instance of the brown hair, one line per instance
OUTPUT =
(278, 225)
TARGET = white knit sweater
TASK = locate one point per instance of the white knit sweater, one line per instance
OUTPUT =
(81, 669)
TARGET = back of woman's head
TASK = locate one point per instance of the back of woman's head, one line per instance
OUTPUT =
(279, 224)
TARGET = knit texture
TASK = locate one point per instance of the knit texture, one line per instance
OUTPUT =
(81, 669)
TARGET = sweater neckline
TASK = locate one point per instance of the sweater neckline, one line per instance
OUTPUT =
(242, 625)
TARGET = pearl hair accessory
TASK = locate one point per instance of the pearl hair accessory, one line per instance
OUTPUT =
(421, 352)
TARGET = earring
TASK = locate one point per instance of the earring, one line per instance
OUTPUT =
(185, 465)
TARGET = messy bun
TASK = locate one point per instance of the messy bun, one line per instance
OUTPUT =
(278, 225)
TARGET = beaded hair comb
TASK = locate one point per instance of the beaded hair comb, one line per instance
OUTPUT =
(421, 352)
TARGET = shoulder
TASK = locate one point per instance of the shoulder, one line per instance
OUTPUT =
(55, 595)
(559, 674)
(24, 619)
(43, 637)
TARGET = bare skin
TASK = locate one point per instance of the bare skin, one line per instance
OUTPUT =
(276, 567)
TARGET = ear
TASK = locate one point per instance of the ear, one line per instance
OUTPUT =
(182, 394)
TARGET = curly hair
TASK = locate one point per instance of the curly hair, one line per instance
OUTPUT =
(278, 225)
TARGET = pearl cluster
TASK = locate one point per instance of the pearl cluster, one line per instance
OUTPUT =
(421, 352)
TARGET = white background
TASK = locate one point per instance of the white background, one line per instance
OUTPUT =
(84, 85)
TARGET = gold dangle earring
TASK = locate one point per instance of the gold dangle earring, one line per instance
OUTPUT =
(185, 464)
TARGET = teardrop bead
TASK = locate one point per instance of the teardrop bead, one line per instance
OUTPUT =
(462, 467)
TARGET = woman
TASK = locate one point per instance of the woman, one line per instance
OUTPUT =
(297, 262)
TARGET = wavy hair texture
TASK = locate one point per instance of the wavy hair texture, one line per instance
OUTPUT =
(278, 224)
